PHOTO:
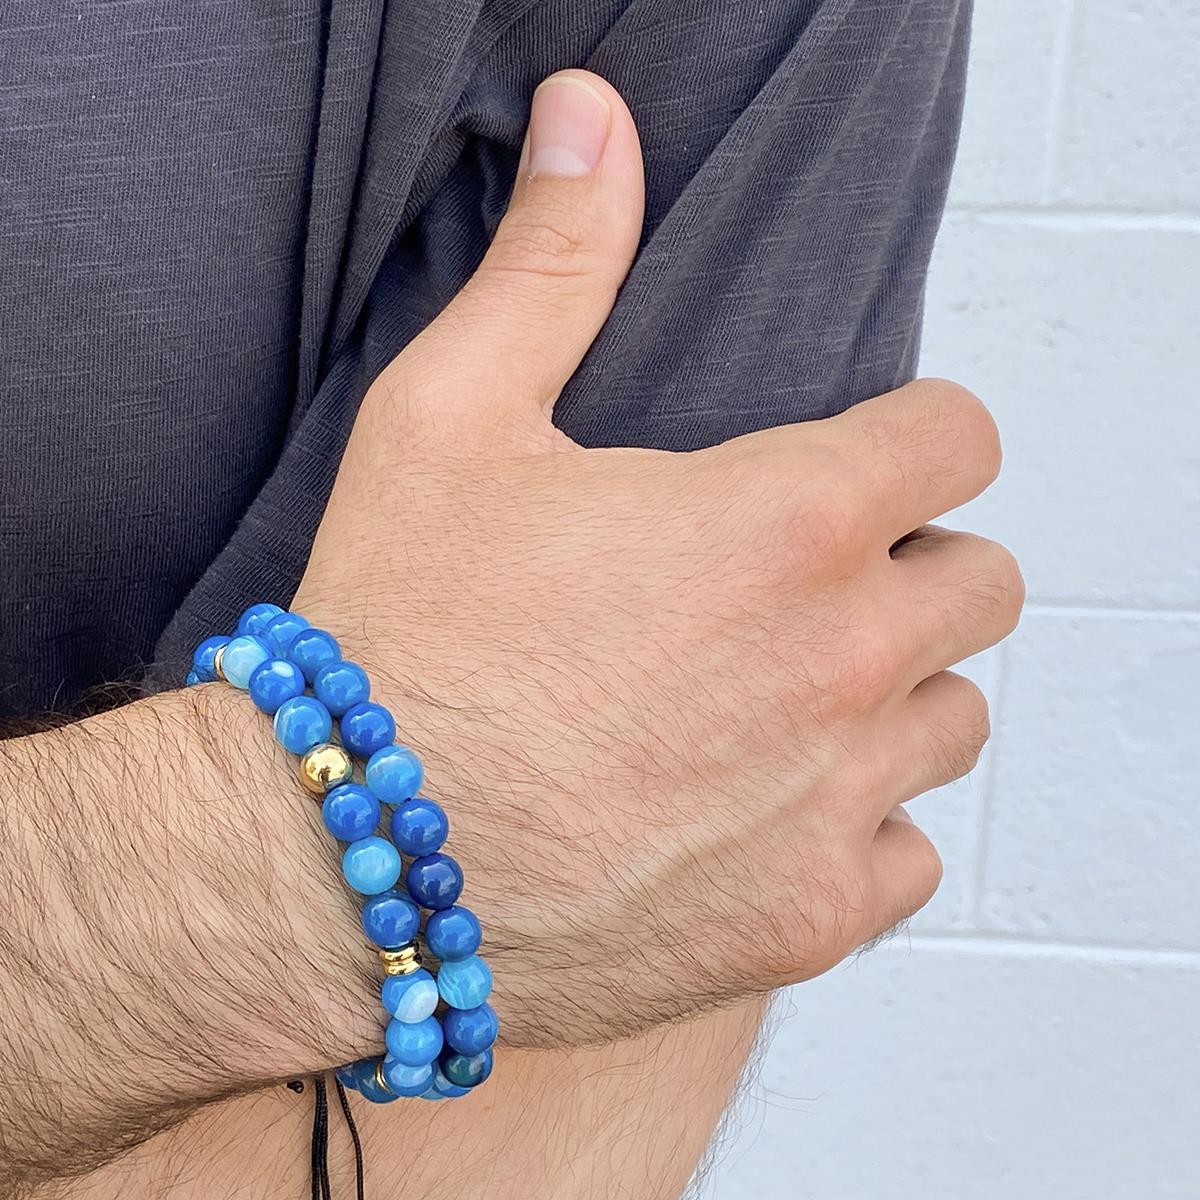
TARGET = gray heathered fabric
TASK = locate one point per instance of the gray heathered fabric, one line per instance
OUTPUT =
(220, 218)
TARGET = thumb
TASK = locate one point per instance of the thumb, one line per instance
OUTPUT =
(502, 350)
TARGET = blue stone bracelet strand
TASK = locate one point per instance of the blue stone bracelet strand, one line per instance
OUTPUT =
(440, 1029)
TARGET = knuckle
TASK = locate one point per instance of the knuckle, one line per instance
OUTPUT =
(549, 242)
(965, 732)
(968, 424)
(927, 873)
(868, 662)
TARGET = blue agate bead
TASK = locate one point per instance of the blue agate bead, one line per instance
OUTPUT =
(348, 1079)
(312, 650)
(204, 658)
(302, 723)
(444, 1087)
(191, 679)
(435, 881)
(279, 631)
(371, 865)
(390, 919)
(405, 1080)
(340, 686)
(433, 1093)
(419, 826)
(395, 774)
(414, 1043)
(366, 728)
(466, 983)
(350, 812)
(471, 1030)
(241, 657)
(273, 682)
(410, 997)
(466, 1070)
(368, 1085)
(254, 620)
(453, 933)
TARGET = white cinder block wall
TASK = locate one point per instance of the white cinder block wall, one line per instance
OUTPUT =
(1036, 1035)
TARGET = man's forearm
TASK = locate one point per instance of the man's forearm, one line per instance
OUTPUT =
(175, 929)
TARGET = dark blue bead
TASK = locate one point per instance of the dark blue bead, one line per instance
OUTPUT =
(341, 685)
(203, 659)
(273, 682)
(192, 679)
(350, 812)
(471, 1030)
(364, 1078)
(254, 620)
(346, 1077)
(419, 826)
(453, 933)
(302, 723)
(366, 728)
(312, 650)
(390, 920)
(435, 881)
(279, 631)
(466, 1070)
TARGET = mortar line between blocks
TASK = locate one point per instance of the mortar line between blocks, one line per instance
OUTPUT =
(973, 914)
(1011, 945)
(1060, 64)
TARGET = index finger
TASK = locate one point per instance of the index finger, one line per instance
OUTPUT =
(917, 452)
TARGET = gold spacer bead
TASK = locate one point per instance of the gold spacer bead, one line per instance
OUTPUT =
(218, 660)
(404, 961)
(380, 1082)
(324, 767)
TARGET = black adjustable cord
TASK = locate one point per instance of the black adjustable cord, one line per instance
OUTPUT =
(319, 1169)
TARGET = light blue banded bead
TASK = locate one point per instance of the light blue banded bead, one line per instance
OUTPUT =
(340, 686)
(434, 880)
(241, 657)
(302, 723)
(312, 650)
(471, 1030)
(371, 865)
(410, 998)
(395, 774)
(453, 933)
(368, 1086)
(391, 919)
(466, 1070)
(444, 1086)
(419, 826)
(466, 983)
(414, 1043)
(350, 812)
(279, 631)
(204, 658)
(192, 679)
(273, 682)
(255, 619)
(366, 728)
(405, 1080)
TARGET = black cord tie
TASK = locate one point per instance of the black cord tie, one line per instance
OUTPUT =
(319, 1170)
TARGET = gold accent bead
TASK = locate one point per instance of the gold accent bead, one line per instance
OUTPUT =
(324, 767)
(380, 1082)
(218, 659)
(404, 961)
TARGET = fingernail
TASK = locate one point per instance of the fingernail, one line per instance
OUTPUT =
(568, 127)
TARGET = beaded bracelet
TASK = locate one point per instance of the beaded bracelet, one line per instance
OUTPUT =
(277, 657)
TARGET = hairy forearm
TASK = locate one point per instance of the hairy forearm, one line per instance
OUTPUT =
(175, 930)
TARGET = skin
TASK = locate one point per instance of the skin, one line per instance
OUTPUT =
(672, 702)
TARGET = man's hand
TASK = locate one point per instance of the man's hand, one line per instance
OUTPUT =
(672, 702)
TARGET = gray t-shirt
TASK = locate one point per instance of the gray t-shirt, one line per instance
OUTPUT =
(220, 218)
